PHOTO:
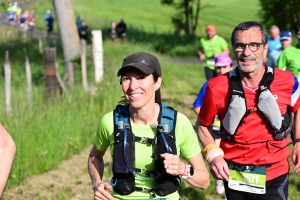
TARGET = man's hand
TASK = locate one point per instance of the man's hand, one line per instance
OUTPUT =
(296, 157)
(219, 168)
(201, 57)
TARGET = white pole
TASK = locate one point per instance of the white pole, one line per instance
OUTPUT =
(40, 45)
(83, 66)
(28, 78)
(98, 55)
(7, 73)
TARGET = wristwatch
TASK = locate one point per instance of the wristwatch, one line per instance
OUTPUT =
(190, 172)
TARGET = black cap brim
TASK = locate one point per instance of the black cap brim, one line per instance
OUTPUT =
(139, 66)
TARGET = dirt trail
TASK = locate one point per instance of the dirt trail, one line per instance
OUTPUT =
(69, 181)
(70, 178)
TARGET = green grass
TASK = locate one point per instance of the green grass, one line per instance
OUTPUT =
(150, 22)
(49, 132)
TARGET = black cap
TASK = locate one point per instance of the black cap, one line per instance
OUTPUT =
(145, 62)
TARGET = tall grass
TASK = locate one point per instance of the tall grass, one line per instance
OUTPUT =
(48, 132)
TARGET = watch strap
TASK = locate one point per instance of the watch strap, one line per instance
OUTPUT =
(188, 171)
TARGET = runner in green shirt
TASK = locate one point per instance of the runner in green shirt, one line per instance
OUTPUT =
(149, 170)
(290, 56)
(209, 47)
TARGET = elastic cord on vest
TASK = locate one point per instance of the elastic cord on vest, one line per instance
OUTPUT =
(163, 130)
(125, 150)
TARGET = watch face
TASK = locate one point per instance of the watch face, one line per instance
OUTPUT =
(191, 171)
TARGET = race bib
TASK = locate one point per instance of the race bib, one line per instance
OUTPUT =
(250, 179)
(210, 62)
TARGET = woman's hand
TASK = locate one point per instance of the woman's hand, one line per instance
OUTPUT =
(100, 192)
(173, 164)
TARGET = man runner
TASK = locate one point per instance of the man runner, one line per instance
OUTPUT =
(209, 47)
(253, 155)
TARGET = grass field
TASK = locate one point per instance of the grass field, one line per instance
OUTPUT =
(150, 22)
(47, 133)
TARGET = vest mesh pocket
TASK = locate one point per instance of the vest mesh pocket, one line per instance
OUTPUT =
(123, 184)
(164, 183)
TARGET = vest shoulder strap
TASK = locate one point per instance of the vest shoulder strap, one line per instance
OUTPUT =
(267, 79)
(168, 117)
(121, 113)
(236, 87)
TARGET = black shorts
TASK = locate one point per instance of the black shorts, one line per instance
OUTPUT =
(276, 189)
(50, 28)
(209, 73)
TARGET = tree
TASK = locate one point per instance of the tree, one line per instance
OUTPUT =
(283, 13)
(187, 15)
(67, 29)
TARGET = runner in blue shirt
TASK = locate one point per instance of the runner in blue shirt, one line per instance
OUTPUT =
(274, 46)
(223, 64)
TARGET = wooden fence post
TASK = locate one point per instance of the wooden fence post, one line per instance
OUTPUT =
(98, 55)
(7, 74)
(83, 66)
(28, 78)
(51, 82)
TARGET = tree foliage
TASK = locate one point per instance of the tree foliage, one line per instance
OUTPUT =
(283, 13)
(186, 18)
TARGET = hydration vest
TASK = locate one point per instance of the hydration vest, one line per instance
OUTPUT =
(279, 125)
(124, 170)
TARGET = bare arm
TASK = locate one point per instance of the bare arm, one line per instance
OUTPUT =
(197, 110)
(175, 166)
(218, 167)
(200, 179)
(226, 50)
(7, 153)
(204, 134)
(200, 53)
(296, 150)
(96, 168)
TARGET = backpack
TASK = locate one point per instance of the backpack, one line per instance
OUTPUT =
(124, 170)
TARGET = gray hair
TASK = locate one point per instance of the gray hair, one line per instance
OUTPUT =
(274, 27)
(247, 25)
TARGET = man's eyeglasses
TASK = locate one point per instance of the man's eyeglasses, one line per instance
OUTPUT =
(253, 46)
